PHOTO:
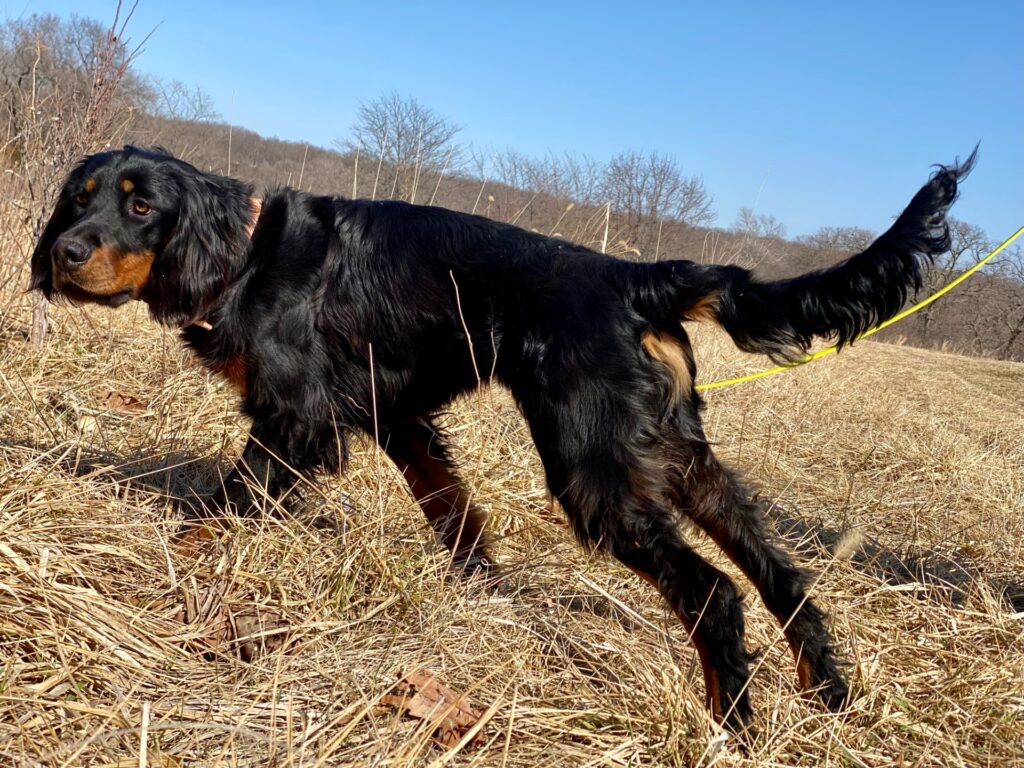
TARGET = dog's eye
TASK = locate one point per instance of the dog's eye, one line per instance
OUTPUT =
(141, 207)
(81, 199)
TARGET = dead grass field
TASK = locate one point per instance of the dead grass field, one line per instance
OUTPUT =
(119, 644)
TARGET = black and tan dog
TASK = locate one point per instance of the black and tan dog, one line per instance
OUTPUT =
(330, 314)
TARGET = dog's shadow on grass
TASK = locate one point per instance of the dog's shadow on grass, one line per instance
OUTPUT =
(182, 479)
(186, 483)
(943, 578)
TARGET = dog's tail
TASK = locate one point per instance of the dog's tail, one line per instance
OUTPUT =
(780, 318)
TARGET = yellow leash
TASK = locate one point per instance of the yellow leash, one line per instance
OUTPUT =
(905, 313)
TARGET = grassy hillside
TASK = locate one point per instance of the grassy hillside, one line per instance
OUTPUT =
(278, 642)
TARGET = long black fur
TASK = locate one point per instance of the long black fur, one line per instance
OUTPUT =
(591, 347)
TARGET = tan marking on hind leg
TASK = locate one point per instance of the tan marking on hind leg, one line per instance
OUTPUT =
(674, 356)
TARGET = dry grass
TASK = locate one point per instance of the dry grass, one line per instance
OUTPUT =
(119, 642)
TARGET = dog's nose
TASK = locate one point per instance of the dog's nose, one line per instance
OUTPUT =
(71, 253)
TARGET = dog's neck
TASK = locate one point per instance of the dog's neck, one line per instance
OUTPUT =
(255, 207)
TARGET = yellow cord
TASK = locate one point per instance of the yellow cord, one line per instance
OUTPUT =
(905, 313)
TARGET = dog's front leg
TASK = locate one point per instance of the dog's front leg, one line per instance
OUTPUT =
(260, 479)
(418, 450)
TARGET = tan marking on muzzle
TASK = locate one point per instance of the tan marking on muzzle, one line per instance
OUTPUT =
(110, 271)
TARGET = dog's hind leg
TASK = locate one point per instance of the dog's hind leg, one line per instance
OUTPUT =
(706, 601)
(716, 500)
(417, 448)
(615, 501)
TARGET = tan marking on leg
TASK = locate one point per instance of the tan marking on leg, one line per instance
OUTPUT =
(442, 497)
(712, 686)
(234, 370)
(675, 357)
(804, 672)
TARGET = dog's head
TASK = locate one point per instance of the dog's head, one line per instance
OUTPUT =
(140, 224)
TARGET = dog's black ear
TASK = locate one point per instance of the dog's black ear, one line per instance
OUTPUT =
(42, 262)
(207, 245)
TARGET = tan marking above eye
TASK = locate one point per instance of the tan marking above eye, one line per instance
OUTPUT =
(90, 184)
(127, 185)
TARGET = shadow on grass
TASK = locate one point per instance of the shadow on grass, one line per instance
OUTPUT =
(948, 579)
(180, 478)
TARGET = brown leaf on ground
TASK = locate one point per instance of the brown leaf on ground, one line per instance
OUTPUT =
(117, 401)
(421, 696)
(195, 538)
(256, 632)
(246, 630)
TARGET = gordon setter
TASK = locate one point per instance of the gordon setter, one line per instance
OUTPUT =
(329, 315)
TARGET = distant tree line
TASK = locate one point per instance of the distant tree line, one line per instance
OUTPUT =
(71, 86)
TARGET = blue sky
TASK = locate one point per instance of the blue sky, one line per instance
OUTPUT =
(815, 113)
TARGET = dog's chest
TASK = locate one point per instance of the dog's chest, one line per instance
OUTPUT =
(213, 348)
(235, 370)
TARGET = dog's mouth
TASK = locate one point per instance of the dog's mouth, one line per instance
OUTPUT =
(78, 295)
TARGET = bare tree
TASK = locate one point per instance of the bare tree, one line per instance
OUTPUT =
(839, 241)
(968, 244)
(1010, 320)
(177, 101)
(408, 137)
(576, 178)
(653, 186)
(1014, 345)
(749, 222)
(761, 237)
(581, 178)
(513, 169)
(645, 190)
(641, 197)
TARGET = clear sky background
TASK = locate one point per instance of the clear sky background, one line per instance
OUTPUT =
(816, 113)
